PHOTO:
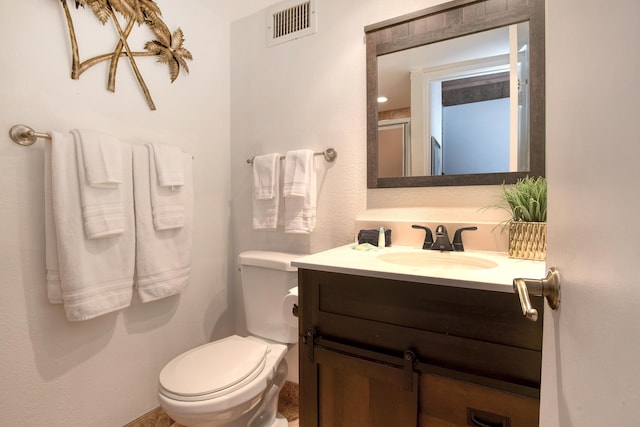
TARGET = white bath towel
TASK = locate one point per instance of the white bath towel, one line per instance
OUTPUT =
(95, 275)
(299, 192)
(266, 191)
(100, 177)
(163, 257)
(166, 180)
(54, 288)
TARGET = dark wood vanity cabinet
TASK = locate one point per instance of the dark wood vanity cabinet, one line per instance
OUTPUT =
(382, 352)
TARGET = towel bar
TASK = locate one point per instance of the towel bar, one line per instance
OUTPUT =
(329, 155)
(24, 135)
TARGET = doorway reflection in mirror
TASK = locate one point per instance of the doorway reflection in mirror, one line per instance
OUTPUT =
(466, 100)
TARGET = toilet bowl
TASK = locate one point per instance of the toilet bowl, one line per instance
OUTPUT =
(235, 381)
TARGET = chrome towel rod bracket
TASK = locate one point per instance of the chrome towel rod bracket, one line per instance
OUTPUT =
(24, 135)
(329, 155)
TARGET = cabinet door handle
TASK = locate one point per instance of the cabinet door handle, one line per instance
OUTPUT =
(309, 341)
(486, 419)
(548, 287)
(409, 357)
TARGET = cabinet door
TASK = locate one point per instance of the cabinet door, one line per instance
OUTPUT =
(354, 392)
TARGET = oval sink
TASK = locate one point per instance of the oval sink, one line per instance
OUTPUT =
(433, 259)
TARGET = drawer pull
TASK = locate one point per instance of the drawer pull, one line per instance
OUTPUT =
(479, 418)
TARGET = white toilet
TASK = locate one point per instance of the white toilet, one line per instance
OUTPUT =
(235, 381)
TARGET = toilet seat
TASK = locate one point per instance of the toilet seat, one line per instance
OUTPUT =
(214, 369)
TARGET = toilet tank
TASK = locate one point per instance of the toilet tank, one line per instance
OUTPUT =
(266, 280)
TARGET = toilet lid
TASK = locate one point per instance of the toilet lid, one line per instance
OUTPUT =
(213, 369)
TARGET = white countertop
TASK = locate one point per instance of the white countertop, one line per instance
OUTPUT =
(345, 259)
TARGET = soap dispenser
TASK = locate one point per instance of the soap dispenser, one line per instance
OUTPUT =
(381, 238)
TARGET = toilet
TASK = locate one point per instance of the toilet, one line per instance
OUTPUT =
(235, 381)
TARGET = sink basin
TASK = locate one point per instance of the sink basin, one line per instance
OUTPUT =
(434, 259)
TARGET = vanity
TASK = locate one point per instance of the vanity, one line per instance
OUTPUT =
(425, 342)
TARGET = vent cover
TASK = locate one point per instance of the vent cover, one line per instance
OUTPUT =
(291, 20)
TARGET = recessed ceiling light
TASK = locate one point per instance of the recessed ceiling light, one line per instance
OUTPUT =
(382, 99)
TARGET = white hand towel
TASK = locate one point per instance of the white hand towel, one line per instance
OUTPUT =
(265, 176)
(95, 275)
(266, 191)
(299, 192)
(163, 257)
(99, 177)
(169, 167)
(167, 204)
(102, 158)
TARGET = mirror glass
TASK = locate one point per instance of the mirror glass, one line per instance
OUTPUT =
(458, 106)
(463, 89)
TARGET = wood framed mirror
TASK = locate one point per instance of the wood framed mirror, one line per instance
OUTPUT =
(466, 79)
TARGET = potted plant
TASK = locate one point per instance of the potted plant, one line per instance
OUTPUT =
(526, 201)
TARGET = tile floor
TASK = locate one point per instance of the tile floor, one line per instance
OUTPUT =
(287, 406)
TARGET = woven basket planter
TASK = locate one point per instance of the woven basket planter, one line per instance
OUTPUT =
(528, 240)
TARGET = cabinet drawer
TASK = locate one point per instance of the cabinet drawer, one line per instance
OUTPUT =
(445, 402)
(481, 315)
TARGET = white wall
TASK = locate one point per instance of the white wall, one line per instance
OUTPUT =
(104, 371)
(476, 137)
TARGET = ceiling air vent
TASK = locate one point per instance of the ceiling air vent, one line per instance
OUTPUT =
(291, 20)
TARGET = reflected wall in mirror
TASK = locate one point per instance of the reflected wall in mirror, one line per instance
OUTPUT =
(464, 89)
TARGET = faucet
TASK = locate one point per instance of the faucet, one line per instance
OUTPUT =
(442, 242)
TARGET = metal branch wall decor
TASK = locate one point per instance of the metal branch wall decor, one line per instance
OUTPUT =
(167, 47)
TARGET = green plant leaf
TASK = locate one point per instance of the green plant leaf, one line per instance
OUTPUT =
(526, 200)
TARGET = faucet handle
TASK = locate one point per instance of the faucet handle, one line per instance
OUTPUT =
(428, 237)
(457, 238)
